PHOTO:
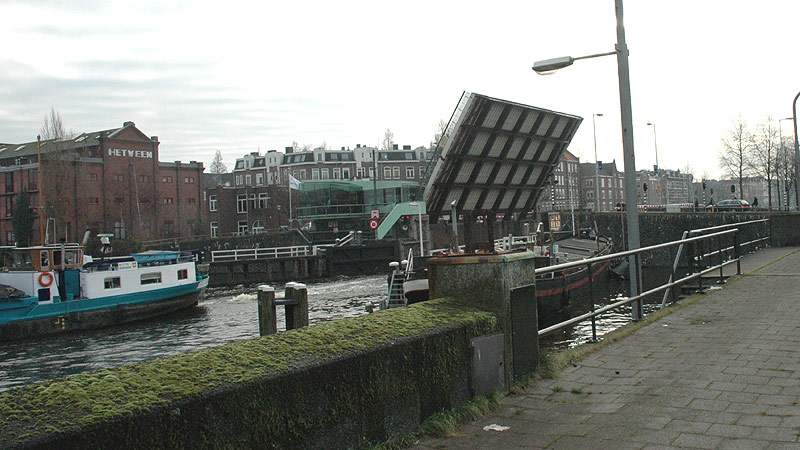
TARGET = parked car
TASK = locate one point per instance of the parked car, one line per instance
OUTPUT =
(730, 205)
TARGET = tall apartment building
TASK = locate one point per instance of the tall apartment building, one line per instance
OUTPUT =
(601, 188)
(108, 181)
(563, 193)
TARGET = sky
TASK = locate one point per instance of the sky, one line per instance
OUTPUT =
(241, 77)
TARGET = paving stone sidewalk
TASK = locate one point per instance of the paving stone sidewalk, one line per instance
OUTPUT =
(722, 373)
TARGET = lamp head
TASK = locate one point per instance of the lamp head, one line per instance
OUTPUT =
(547, 66)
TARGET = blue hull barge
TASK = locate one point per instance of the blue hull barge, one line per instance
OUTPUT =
(55, 289)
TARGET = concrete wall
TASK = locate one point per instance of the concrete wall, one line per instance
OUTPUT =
(341, 384)
(232, 273)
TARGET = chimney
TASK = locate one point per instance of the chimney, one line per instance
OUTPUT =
(358, 145)
(406, 147)
(395, 146)
(125, 124)
(154, 138)
(289, 150)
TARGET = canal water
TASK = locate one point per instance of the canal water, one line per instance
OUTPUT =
(225, 315)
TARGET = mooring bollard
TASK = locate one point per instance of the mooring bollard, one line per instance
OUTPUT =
(267, 320)
(296, 310)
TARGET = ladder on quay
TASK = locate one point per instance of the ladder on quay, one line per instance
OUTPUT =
(396, 297)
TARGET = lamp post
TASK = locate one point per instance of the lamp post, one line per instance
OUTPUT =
(655, 172)
(596, 165)
(631, 212)
(796, 151)
(785, 166)
(419, 214)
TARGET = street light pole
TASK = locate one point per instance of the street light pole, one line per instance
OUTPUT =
(596, 165)
(629, 158)
(785, 166)
(631, 211)
(796, 151)
(419, 214)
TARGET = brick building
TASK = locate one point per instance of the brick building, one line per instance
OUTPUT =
(108, 181)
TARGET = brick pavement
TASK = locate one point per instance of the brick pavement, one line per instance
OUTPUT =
(722, 373)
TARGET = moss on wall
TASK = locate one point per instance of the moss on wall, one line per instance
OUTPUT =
(350, 381)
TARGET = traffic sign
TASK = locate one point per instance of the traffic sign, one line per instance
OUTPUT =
(375, 213)
(555, 221)
(373, 224)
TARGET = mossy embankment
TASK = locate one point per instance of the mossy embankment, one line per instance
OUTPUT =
(340, 383)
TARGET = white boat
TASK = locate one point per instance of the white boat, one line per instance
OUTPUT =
(55, 289)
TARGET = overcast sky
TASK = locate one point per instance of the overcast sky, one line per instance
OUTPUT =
(241, 77)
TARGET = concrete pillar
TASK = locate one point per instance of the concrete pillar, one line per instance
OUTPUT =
(267, 319)
(487, 282)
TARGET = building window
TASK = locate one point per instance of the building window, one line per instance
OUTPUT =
(183, 274)
(188, 180)
(396, 172)
(112, 283)
(91, 177)
(241, 227)
(119, 230)
(241, 204)
(144, 178)
(422, 171)
(371, 172)
(345, 173)
(10, 238)
(262, 200)
(168, 230)
(167, 179)
(190, 201)
(214, 228)
(212, 202)
(168, 200)
(33, 176)
(145, 226)
(119, 177)
(259, 179)
(326, 175)
(9, 204)
(150, 278)
(9, 182)
(239, 180)
(258, 227)
(337, 173)
(315, 174)
(248, 179)
(409, 172)
(387, 173)
(360, 172)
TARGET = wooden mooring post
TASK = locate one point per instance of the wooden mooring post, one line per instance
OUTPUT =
(295, 301)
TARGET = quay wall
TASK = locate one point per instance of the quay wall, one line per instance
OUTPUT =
(341, 384)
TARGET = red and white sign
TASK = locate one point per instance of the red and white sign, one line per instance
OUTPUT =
(373, 224)
(375, 213)
(555, 221)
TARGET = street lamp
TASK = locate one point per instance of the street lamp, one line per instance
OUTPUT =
(419, 214)
(785, 166)
(655, 142)
(796, 151)
(596, 165)
(629, 157)
(666, 178)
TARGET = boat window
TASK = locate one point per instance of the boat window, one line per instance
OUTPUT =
(71, 256)
(45, 259)
(151, 278)
(21, 260)
(112, 283)
(56, 258)
(183, 274)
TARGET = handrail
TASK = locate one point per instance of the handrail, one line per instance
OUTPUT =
(635, 254)
(618, 255)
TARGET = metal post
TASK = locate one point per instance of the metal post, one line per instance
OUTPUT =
(596, 165)
(796, 156)
(454, 220)
(631, 212)
(736, 253)
(591, 302)
(721, 267)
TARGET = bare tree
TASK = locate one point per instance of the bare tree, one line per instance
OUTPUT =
(765, 154)
(734, 159)
(57, 168)
(217, 166)
(388, 140)
(439, 132)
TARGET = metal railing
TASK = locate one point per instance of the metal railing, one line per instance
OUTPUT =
(251, 254)
(699, 267)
